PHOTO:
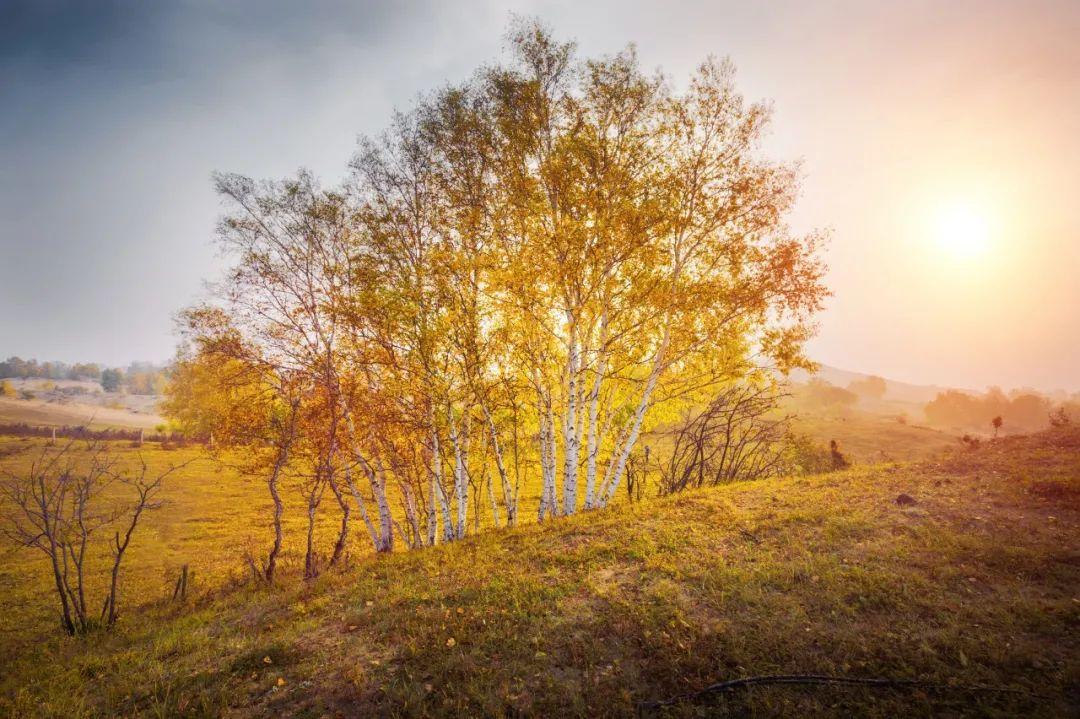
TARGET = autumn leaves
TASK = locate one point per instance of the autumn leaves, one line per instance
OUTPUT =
(522, 275)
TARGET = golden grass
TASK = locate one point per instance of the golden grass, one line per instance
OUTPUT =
(975, 584)
(54, 414)
(868, 438)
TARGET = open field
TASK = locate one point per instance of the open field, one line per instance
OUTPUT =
(975, 584)
(57, 414)
(213, 515)
(868, 438)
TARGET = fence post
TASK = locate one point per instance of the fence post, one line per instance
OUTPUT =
(181, 584)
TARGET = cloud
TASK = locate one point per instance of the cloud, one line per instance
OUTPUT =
(115, 114)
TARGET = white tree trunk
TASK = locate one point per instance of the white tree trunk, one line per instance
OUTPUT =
(623, 453)
(571, 438)
(438, 493)
(593, 447)
(542, 439)
(461, 482)
(509, 500)
(547, 452)
(363, 508)
(385, 539)
(386, 517)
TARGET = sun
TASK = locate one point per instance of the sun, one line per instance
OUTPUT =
(963, 231)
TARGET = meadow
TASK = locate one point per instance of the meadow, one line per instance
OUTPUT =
(597, 614)
(215, 515)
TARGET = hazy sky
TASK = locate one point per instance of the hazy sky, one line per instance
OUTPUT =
(907, 116)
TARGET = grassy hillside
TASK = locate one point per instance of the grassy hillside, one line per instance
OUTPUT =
(868, 438)
(974, 584)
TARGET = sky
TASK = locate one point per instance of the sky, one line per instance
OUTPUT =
(939, 142)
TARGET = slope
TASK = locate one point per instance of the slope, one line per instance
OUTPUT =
(975, 584)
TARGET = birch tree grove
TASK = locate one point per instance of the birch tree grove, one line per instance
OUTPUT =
(522, 277)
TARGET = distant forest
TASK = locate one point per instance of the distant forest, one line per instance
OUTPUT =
(136, 378)
(1019, 410)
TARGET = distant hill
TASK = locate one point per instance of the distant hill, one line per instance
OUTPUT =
(896, 391)
(55, 403)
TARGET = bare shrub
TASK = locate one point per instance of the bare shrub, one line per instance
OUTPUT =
(61, 506)
(737, 436)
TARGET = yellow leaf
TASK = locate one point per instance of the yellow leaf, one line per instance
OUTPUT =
(451, 642)
(281, 681)
(267, 660)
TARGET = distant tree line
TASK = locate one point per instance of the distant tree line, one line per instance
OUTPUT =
(994, 410)
(136, 378)
(17, 367)
(817, 395)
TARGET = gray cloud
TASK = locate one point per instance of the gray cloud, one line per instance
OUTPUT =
(114, 114)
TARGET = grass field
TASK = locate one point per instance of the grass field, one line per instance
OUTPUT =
(975, 584)
(869, 438)
(55, 414)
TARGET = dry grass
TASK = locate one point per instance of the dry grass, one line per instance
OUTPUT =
(975, 584)
(96, 415)
(870, 438)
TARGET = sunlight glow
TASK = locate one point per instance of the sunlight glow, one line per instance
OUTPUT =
(963, 231)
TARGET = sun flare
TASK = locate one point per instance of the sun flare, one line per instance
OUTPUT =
(963, 231)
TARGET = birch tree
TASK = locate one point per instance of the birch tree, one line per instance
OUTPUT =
(523, 275)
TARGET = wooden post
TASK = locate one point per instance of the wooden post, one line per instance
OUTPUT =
(53, 441)
(181, 584)
(141, 436)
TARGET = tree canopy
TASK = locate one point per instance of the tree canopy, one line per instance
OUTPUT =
(522, 275)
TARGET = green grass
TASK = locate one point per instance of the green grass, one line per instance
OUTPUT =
(976, 584)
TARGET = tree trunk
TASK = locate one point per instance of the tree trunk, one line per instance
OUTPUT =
(386, 518)
(571, 438)
(437, 489)
(547, 455)
(279, 509)
(275, 476)
(310, 569)
(346, 512)
(461, 483)
(361, 506)
(635, 426)
(594, 437)
(384, 537)
(508, 496)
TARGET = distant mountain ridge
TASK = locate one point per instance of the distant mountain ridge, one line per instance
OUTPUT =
(895, 390)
